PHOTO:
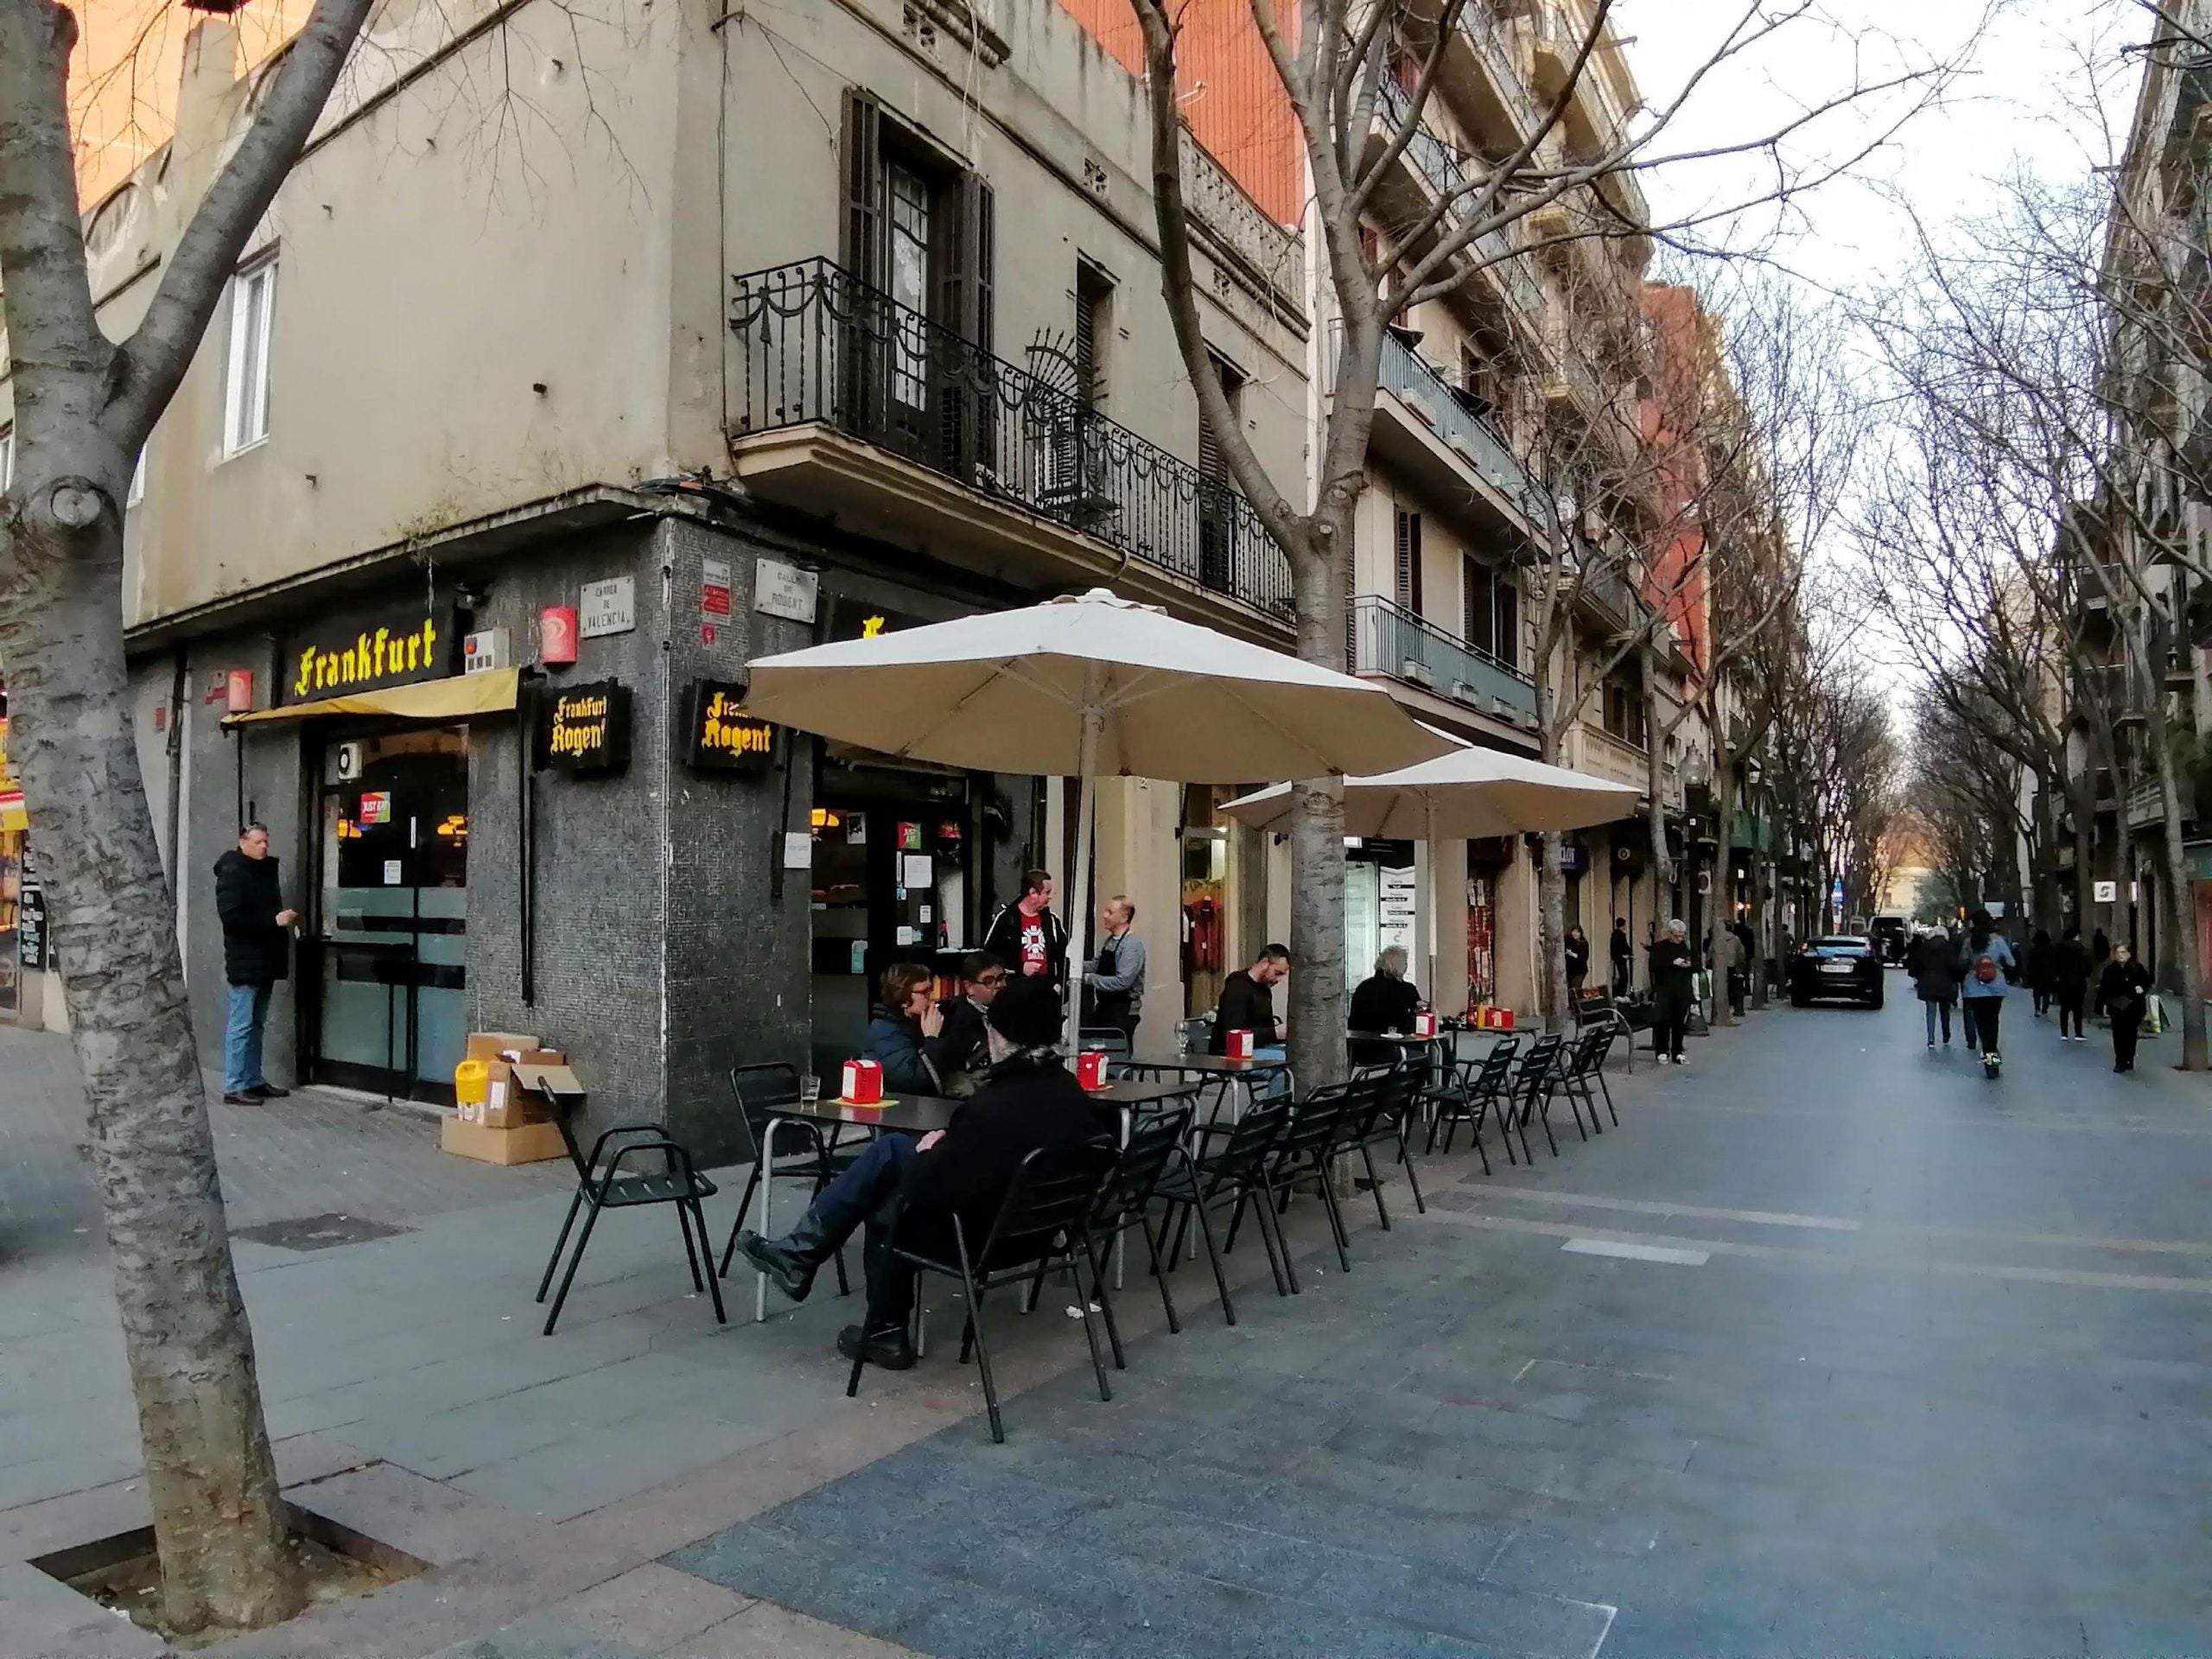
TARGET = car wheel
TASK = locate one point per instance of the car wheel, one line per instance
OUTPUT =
(1799, 1000)
(1875, 1000)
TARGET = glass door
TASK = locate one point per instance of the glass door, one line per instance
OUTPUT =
(391, 982)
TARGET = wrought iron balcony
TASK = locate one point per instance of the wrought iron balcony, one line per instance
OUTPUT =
(819, 347)
(1444, 172)
(1386, 639)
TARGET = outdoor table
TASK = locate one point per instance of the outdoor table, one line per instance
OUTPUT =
(921, 1114)
(1218, 1071)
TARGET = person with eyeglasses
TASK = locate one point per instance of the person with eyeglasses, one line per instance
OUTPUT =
(961, 1051)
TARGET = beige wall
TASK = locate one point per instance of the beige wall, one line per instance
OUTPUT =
(443, 254)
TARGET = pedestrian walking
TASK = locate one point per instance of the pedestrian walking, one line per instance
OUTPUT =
(2069, 982)
(1578, 963)
(256, 953)
(1672, 987)
(1933, 964)
(2036, 972)
(1984, 961)
(2124, 989)
(1623, 954)
(1734, 971)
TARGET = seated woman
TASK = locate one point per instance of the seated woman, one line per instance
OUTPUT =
(900, 1031)
(1030, 1102)
(1386, 1001)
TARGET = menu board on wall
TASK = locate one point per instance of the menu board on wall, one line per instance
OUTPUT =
(1394, 907)
(31, 947)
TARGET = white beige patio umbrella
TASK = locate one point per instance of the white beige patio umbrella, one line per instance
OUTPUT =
(1091, 687)
(1466, 794)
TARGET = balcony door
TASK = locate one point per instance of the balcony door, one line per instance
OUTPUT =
(918, 242)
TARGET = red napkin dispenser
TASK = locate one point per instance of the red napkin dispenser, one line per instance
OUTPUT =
(1424, 1025)
(863, 1082)
(1240, 1045)
(1090, 1068)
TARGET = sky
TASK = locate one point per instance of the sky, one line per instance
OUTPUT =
(2024, 92)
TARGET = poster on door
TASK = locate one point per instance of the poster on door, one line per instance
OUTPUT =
(1395, 907)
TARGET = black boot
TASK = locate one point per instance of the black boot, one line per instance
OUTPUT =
(791, 1260)
(890, 1347)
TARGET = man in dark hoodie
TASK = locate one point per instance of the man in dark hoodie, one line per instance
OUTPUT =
(1031, 1102)
(256, 953)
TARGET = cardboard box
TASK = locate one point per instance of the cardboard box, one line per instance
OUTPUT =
(532, 1143)
(509, 1104)
(491, 1044)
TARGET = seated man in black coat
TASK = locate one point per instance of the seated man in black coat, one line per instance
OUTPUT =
(1031, 1102)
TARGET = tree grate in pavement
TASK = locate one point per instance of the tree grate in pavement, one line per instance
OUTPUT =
(319, 1233)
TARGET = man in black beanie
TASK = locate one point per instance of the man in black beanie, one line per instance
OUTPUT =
(1031, 1102)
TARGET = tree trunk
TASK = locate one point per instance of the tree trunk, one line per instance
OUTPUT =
(1317, 841)
(218, 1521)
(2183, 932)
(1723, 907)
(1552, 892)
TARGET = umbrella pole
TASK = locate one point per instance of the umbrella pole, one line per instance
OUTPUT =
(1086, 823)
(1428, 900)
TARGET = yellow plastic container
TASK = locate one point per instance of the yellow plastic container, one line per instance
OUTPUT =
(472, 1083)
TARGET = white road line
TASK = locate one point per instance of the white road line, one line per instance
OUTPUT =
(1636, 1252)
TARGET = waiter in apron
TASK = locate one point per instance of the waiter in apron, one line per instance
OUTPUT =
(1112, 991)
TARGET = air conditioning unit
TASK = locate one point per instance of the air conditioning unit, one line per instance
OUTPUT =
(349, 762)
(484, 650)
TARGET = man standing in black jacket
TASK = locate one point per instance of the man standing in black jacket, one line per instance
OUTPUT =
(256, 953)
(1032, 1102)
(1248, 1003)
(1027, 937)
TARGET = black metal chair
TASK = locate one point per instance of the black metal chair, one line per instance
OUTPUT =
(1380, 1104)
(759, 1090)
(1302, 1154)
(1484, 1087)
(1155, 1142)
(1533, 1086)
(1043, 1227)
(1587, 1066)
(1235, 1173)
(601, 1184)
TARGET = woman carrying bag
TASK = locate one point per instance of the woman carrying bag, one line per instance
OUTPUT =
(1985, 960)
(1936, 981)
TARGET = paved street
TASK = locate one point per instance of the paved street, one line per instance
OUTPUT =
(1834, 1347)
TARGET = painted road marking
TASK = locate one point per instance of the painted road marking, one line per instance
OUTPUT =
(1636, 1252)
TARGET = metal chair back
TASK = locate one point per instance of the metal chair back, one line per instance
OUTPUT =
(758, 1090)
(1154, 1140)
(1247, 1148)
(1494, 1070)
(1054, 1192)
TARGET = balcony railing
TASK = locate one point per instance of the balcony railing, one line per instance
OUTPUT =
(1486, 32)
(819, 346)
(1442, 167)
(1388, 640)
(1218, 201)
(1412, 379)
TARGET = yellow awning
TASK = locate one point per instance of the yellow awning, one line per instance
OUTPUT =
(12, 813)
(492, 692)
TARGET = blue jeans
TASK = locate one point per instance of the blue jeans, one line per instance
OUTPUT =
(242, 1039)
(868, 1183)
(1271, 1085)
(1934, 1008)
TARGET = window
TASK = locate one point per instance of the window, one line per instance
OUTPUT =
(245, 386)
(1408, 561)
(1217, 502)
(1093, 330)
(1479, 597)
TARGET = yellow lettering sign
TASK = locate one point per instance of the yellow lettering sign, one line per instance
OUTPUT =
(369, 660)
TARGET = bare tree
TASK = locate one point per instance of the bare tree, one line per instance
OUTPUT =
(84, 405)
(1359, 78)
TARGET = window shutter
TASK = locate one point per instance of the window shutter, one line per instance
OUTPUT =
(1408, 550)
(1475, 617)
(964, 291)
(860, 183)
(1507, 647)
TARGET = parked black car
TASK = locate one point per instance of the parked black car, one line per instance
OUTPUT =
(1842, 964)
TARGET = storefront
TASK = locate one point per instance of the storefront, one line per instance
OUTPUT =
(1381, 900)
(377, 709)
